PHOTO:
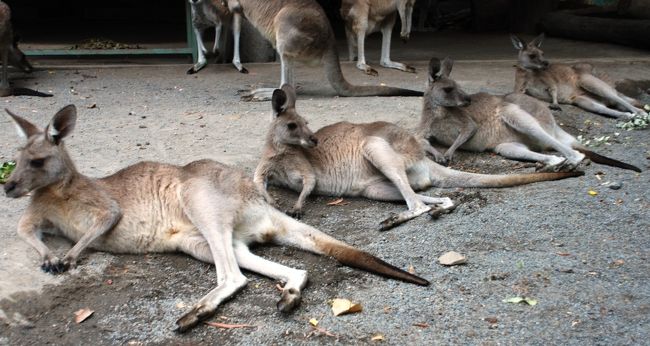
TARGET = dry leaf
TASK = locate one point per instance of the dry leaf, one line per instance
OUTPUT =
(339, 201)
(229, 326)
(516, 300)
(491, 320)
(563, 254)
(592, 193)
(82, 314)
(421, 324)
(411, 269)
(344, 306)
(377, 337)
(452, 258)
(324, 331)
(313, 322)
(94, 105)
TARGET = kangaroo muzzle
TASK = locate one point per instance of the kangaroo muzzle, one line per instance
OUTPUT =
(10, 189)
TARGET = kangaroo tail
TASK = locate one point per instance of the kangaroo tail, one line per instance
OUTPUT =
(447, 177)
(344, 88)
(308, 238)
(28, 92)
(604, 160)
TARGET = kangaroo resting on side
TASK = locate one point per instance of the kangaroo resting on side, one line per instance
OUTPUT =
(377, 160)
(206, 209)
(567, 84)
(214, 14)
(516, 126)
(300, 32)
(364, 17)
(12, 55)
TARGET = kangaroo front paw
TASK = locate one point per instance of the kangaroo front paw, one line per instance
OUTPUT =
(555, 107)
(290, 300)
(55, 266)
(192, 318)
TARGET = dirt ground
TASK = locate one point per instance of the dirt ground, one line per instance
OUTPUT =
(583, 258)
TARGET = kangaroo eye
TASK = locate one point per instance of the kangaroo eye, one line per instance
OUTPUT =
(292, 126)
(448, 89)
(37, 163)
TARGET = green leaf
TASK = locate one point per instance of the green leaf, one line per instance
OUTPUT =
(5, 170)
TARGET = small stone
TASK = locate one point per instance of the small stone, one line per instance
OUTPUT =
(615, 185)
(452, 258)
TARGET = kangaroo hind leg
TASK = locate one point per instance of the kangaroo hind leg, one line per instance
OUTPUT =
(294, 279)
(594, 106)
(381, 155)
(523, 122)
(604, 90)
(212, 213)
(518, 151)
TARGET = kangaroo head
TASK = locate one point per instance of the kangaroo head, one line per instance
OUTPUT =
(17, 58)
(530, 57)
(43, 160)
(442, 90)
(288, 126)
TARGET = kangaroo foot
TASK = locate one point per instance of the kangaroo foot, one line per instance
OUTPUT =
(55, 266)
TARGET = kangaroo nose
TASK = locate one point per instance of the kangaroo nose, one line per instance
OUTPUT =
(10, 186)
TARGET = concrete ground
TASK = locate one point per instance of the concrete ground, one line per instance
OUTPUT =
(584, 258)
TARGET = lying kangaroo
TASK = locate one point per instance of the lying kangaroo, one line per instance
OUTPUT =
(377, 160)
(300, 32)
(567, 84)
(12, 55)
(364, 17)
(206, 209)
(214, 14)
(516, 126)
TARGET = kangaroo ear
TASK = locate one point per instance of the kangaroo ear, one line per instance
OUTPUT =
(447, 64)
(279, 102)
(24, 128)
(291, 95)
(537, 42)
(434, 69)
(518, 43)
(61, 124)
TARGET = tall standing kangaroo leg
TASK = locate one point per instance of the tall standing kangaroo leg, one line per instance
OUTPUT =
(386, 34)
(352, 44)
(523, 122)
(361, 32)
(602, 89)
(387, 161)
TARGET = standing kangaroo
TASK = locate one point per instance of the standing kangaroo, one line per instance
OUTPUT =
(377, 160)
(364, 17)
(205, 209)
(214, 14)
(12, 55)
(300, 32)
(516, 126)
(567, 84)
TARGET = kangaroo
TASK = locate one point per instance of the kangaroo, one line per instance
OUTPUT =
(12, 55)
(364, 17)
(378, 160)
(206, 209)
(516, 126)
(214, 14)
(300, 32)
(567, 84)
